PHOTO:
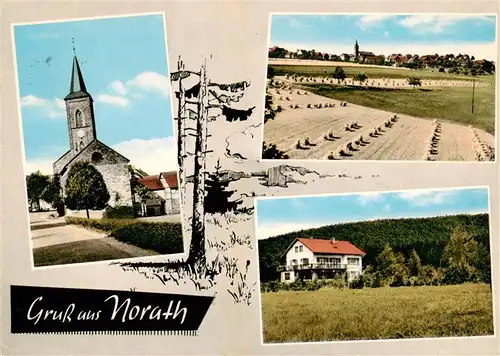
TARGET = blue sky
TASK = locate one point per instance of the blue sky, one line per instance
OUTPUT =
(385, 33)
(281, 215)
(124, 65)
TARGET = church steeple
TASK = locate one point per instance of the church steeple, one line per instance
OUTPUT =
(356, 50)
(79, 112)
(77, 87)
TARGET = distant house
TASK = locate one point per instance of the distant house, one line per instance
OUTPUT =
(164, 199)
(344, 56)
(316, 258)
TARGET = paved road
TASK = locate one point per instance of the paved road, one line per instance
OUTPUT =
(62, 234)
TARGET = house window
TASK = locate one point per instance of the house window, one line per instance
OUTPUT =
(296, 249)
(353, 261)
(287, 276)
(335, 260)
(294, 262)
(301, 248)
(304, 261)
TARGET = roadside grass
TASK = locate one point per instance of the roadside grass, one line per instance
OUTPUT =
(380, 313)
(451, 103)
(373, 72)
(77, 252)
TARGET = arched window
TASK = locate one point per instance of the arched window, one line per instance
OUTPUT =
(81, 145)
(76, 147)
(78, 118)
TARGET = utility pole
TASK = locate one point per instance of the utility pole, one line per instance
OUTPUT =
(473, 85)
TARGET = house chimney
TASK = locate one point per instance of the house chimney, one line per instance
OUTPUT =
(333, 240)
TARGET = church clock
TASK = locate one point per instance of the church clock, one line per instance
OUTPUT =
(80, 133)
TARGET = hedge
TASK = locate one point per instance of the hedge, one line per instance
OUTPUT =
(162, 237)
(119, 212)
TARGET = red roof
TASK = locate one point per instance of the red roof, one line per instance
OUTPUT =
(170, 178)
(152, 182)
(331, 247)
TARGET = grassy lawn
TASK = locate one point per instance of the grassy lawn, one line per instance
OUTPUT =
(451, 103)
(372, 72)
(379, 313)
(77, 252)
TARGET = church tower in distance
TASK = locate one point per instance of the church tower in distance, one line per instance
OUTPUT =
(79, 112)
(356, 50)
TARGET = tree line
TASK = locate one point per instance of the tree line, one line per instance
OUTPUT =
(428, 237)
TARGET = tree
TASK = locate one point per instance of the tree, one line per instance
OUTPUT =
(414, 81)
(387, 265)
(459, 256)
(339, 74)
(360, 77)
(36, 183)
(85, 188)
(270, 72)
(52, 194)
(414, 264)
(217, 195)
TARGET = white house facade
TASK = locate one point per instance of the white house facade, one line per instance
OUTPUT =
(318, 258)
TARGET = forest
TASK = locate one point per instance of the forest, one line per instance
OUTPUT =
(428, 237)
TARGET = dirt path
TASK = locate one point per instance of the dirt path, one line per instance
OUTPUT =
(323, 122)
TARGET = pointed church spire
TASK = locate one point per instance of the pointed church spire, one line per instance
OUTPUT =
(77, 87)
(77, 83)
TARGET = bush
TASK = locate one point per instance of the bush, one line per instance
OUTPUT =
(119, 212)
(162, 237)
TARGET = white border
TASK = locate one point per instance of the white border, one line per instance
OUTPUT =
(18, 98)
(333, 342)
(350, 161)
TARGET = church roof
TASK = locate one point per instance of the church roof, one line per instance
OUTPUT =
(77, 87)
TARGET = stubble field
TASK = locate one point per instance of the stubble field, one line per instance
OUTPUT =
(433, 122)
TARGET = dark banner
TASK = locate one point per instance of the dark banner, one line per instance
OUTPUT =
(69, 310)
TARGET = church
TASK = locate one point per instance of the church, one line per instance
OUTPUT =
(84, 145)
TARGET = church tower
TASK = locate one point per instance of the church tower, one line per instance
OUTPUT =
(79, 112)
(356, 50)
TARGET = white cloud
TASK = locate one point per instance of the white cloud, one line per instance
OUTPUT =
(44, 165)
(424, 24)
(366, 198)
(485, 50)
(118, 87)
(153, 156)
(50, 108)
(294, 23)
(425, 197)
(152, 81)
(370, 20)
(113, 99)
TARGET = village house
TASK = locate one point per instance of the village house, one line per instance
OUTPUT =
(164, 199)
(317, 258)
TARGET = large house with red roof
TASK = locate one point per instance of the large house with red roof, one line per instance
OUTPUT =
(318, 258)
(164, 198)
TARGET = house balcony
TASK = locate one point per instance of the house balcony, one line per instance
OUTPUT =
(313, 266)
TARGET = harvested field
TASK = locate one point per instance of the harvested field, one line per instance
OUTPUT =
(311, 126)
